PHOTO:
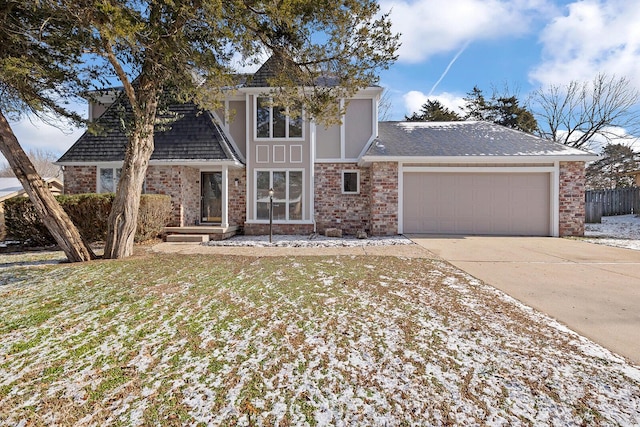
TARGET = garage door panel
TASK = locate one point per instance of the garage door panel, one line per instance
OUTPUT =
(477, 203)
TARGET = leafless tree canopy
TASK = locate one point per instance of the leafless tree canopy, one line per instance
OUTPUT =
(384, 106)
(576, 113)
(43, 162)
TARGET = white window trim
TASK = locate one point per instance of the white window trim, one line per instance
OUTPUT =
(357, 172)
(255, 219)
(99, 181)
(272, 138)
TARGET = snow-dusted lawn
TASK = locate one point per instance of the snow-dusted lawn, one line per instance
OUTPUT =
(230, 340)
(622, 231)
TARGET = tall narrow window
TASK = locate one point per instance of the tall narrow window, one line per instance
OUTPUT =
(263, 118)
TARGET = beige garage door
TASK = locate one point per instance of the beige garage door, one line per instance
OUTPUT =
(515, 204)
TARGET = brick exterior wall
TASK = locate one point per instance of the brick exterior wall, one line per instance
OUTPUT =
(262, 229)
(80, 179)
(572, 187)
(237, 197)
(348, 212)
(190, 195)
(384, 198)
(167, 180)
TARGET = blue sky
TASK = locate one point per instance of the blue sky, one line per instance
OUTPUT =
(524, 44)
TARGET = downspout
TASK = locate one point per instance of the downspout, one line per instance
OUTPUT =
(312, 173)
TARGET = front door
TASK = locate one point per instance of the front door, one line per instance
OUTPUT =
(211, 196)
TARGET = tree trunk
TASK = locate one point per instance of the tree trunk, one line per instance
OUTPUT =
(51, 213)
(123, 218)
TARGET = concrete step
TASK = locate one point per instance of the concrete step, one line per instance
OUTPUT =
(188, 238)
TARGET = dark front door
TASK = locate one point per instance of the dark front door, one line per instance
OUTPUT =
(211, 196)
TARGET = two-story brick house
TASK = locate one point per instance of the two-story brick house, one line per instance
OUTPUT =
(384, 178)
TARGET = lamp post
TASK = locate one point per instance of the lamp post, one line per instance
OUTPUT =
(270, 215)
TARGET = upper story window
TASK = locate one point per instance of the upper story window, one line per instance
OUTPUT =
(273, 121)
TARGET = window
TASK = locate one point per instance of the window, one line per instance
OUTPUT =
(351, 182)
(287, 195)
(108, 179)
(273, 121)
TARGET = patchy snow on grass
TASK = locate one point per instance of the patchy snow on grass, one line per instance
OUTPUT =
(314, 240)
(342, 340)
(621, 231)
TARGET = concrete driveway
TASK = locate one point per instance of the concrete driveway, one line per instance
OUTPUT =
(593, 289)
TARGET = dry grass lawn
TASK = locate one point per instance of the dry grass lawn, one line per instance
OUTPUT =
(342, 340)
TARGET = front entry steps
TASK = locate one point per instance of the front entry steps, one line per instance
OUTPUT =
(187, 238)
(199, 233)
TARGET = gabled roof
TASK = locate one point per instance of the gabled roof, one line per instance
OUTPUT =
(12, 187)
(190, 134)
(462, 139)
(270, 69)
(275, 65)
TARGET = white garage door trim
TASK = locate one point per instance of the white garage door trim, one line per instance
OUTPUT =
(554, 171)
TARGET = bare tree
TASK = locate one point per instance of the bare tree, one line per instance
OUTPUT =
(43, 161)
(578, 112)
(384, 106)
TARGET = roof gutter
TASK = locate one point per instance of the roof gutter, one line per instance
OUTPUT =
(177, 162)
(367, 160)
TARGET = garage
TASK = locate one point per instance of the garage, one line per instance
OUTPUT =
(473, 177)
(490, 203)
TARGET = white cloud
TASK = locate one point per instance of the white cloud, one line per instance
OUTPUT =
(35, 134)
(430, 27)
(590, 38)
(414, 100)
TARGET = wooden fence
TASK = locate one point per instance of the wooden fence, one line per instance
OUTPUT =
(620, 201)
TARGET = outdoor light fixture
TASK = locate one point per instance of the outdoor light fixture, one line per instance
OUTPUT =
(270, 215)
(237, 180)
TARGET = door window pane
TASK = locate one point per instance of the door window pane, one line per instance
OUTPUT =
(211, 192)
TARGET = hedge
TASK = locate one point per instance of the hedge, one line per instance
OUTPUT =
(89, 212)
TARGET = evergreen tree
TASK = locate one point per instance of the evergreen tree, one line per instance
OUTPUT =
(434, 111)
(508, 112)
(611, 170)
(39, 56)
(189, 48)
(476, 107)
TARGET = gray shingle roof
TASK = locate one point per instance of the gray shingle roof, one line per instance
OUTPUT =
(270, 69)
(467, 138)
(194, 135)
(276, 64)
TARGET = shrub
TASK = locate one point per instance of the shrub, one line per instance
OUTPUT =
(89, 212)
(154, 214)
(22, 223)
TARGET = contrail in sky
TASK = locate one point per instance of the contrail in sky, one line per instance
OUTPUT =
(462, 49)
